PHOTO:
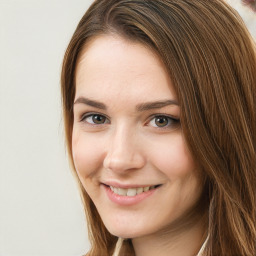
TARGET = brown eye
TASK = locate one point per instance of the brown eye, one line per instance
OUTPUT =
(98, 119)
(161, 121)
(164, 122)
(94, 119)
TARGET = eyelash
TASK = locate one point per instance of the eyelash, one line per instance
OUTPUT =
(172, 122)
(85, 116)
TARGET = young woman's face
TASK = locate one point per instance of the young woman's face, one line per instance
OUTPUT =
(128, 147)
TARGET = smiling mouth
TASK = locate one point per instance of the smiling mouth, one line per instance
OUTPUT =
(131, 191)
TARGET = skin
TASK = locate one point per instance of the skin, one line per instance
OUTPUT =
(129, 147)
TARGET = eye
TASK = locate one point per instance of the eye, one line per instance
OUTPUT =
(94, 119)
(163, 121)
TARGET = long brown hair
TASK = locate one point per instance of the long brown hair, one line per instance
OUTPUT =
(211, 60)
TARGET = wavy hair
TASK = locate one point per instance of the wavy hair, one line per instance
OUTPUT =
(211, 59)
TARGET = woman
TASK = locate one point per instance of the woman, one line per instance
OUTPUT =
(159, 110)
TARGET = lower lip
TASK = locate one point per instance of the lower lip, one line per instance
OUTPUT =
(128, 200)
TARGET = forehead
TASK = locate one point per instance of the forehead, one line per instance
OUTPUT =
(113, 64)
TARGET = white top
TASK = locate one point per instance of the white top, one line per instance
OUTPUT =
(120, 242)
(200, 253)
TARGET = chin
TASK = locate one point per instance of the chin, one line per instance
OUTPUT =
(124, 231)
(129, 231)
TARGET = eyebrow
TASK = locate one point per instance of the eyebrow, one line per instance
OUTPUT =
(92, 103)
(156, 104)
(140, 107)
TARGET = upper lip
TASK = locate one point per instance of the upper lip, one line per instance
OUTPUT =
(119, 185)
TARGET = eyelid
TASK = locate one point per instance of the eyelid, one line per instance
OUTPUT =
(88, 114)
(164, 115)
(175, 120)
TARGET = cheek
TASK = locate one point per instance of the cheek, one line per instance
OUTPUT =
(86, 154)
(172, 157)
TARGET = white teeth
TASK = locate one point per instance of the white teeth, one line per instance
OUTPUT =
(130, 191)
(122, 192)
(139, 190)
(146, 189)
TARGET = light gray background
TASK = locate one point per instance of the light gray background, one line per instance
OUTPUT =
(40, 208)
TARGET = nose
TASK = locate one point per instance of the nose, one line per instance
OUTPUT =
(124, 151)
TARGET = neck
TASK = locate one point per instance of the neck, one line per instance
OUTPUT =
(185, 242)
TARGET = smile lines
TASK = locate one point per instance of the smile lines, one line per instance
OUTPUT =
(131, 191)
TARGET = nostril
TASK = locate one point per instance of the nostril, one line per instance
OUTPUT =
(124, 162)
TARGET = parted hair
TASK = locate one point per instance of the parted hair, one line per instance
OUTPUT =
(211, 60)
